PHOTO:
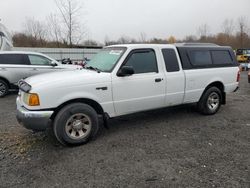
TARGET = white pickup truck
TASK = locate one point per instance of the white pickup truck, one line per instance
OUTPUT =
(125, 79)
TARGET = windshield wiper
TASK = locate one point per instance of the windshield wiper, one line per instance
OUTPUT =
(92, 68)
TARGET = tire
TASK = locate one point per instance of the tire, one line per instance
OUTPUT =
(210, 101)
(76, 124)
(4, 88)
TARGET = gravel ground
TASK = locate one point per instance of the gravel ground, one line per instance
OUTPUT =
(172, 147)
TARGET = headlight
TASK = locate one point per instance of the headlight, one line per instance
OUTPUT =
(31, 99)
(24, 86)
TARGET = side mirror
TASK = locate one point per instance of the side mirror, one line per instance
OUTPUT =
(54, 64)
(126, 71)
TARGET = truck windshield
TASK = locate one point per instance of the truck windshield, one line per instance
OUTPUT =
(106, 59)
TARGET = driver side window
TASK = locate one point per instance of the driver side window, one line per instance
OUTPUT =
(39, 60)
(143, 61)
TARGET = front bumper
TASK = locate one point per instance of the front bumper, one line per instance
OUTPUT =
(34, 120)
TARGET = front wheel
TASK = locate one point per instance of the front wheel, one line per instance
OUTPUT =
(210, 101)
(75, 124)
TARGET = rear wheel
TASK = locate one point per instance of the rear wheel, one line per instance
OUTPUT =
(4, 88)
(76, 124)
(210, 101)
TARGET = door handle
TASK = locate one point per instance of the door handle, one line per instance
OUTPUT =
(34, 69)
(158, 79)
(102, 88)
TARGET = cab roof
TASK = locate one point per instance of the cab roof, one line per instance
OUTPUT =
(177, 45)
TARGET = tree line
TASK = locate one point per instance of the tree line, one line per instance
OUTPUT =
(66, 29)
(233, 33)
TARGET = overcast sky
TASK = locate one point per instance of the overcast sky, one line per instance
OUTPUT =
(115, 18)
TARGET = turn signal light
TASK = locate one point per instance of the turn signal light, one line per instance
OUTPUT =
(34, 100)
(31, 99)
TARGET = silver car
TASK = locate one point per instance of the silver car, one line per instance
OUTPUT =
(16, 65)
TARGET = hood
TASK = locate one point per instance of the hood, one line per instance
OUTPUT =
(68, 78)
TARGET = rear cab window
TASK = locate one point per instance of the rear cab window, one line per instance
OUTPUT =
(221, 57)
(170, 59)
(206, 57)
(200, 57)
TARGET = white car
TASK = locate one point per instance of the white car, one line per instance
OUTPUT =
(16, 65)
(125, 79)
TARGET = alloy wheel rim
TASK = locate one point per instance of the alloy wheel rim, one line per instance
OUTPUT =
(78, 126)
(2, 89)
(213, 101)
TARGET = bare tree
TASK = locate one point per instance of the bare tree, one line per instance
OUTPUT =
(54, 29)
(190, 38)
(124, 40)
(158, 41)
(143, 37)
(203, 32)
(70, 11)
(106, 41)
(228, 27)
(90, 42)
(35, 29)
(242, 23)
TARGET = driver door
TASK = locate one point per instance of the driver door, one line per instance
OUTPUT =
(143, 90)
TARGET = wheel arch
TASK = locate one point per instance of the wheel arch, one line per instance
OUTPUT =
(95, 105)
(7, 81)
(220, 86)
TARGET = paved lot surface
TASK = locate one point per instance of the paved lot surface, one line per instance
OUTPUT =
(173, 147)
